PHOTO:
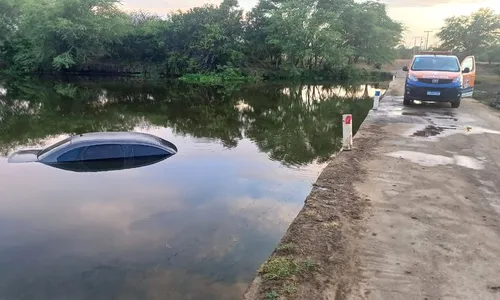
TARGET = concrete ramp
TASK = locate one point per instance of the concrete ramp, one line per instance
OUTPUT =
(434, 185)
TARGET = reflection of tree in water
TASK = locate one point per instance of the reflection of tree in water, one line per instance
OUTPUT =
(296, 130)
(202, 112)
(32, 112)
(295, 125)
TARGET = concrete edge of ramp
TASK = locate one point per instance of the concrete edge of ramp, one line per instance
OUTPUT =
(326, 229)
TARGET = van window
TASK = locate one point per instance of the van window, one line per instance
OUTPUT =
(468, 63)
(70, 156)
(103, 152)
(141, 151)
(436, 63)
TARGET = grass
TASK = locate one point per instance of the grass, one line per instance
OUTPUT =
(280, 268)
(289, 288)
(223, 76)
(285, 267)
(272, 295)
(332, 225)
(287, 247)
(309, 264)
(280, 271)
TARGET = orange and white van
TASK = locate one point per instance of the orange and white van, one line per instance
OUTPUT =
(439, 77)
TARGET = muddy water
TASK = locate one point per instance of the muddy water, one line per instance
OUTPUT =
(194, 226)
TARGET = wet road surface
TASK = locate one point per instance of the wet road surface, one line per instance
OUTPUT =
(434, 186)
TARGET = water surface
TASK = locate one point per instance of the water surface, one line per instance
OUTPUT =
(195, 226)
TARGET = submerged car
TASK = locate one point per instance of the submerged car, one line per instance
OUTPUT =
(439, 77)
(101, 151)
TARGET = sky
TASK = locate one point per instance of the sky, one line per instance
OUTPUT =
(418, 16)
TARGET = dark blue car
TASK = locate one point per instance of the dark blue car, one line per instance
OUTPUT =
(100, 151)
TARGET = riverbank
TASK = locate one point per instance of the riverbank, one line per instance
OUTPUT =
(411, 213)
(230, 76)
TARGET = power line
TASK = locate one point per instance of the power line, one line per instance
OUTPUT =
(415, 44)
(427, 40)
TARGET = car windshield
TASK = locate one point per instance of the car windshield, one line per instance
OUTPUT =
(50, 148)
(436, 63)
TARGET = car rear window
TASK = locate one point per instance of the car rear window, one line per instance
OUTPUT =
(436, 63)
(58, 144)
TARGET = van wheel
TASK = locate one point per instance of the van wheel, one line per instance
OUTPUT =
(455, 104)
(406, 101)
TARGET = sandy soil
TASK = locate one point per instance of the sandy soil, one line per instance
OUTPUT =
(411, 213)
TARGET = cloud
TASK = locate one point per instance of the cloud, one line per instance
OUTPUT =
(167, 6)
(420, 3)
(163, 6)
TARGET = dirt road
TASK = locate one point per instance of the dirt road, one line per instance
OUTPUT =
(433, 228)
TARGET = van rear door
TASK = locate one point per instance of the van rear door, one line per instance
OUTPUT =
(469, 78)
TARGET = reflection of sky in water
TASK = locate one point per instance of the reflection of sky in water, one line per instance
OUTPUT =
(195, 226)
(318, 92)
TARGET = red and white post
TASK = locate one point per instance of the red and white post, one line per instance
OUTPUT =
(347, 132)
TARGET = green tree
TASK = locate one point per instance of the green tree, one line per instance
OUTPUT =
(403, 52)
(313, 34)
(296, 34)
(142, 48)
(370, 32)
(471, 34)
(61, 34)
(492, 53)
(205, 38)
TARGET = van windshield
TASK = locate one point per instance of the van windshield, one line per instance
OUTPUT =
(50, 148)
(436, 63)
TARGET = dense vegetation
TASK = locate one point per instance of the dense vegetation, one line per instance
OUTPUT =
(294, 124)
(289, 36)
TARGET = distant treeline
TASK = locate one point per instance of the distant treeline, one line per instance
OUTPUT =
(290, 37)
(476, 34)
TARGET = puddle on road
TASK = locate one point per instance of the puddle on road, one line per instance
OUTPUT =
(431, 160)
(432, 130)
(415, 113)
(447, 118)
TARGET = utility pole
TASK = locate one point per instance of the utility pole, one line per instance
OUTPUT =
(427, 40)
(415, 44)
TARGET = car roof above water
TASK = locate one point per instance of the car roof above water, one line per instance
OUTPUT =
(120, 138)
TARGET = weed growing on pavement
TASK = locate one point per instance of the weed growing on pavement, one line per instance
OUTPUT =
(272, 295)
(280, 268)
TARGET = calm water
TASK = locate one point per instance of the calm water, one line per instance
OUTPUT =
(195, 226)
